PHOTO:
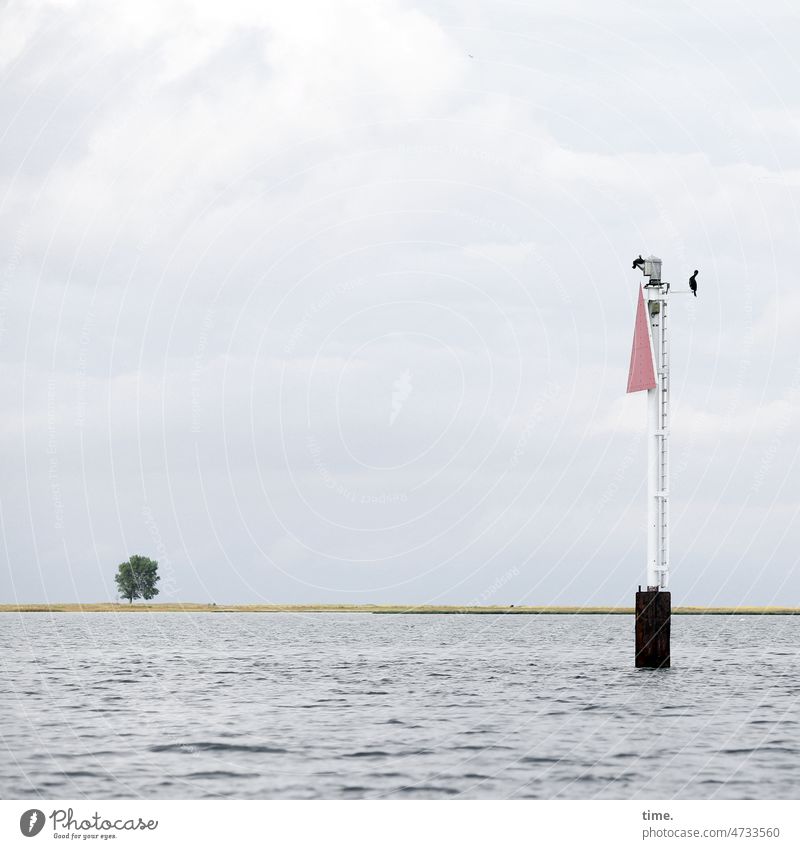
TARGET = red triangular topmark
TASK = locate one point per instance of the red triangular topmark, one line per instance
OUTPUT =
(641, 374)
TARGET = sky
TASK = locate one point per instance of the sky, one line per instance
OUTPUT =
(333, 302)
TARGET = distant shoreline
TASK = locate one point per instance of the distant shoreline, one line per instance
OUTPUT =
(382, 609)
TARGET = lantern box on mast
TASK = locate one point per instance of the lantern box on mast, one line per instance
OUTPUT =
(652, 269)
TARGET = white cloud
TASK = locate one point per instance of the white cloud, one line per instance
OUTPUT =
(234, 225)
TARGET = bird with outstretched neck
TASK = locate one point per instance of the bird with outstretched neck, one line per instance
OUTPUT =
(693, 282)
(638, 262)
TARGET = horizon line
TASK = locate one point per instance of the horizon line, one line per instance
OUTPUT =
(400, 609)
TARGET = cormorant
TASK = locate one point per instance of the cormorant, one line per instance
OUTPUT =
(693, 282)
(638, 262)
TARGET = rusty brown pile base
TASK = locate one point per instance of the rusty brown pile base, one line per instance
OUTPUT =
(653, 612)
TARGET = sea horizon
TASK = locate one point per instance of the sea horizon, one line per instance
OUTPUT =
(399, 609)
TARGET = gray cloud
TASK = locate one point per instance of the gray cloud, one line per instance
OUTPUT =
(230, 230)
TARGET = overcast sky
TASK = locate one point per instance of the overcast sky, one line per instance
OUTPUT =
(333, 301)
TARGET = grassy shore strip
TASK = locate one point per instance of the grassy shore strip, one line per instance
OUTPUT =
(377, 608)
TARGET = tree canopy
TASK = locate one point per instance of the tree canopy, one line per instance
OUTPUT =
(137, 578)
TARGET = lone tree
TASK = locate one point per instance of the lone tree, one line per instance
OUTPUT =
(137, 578)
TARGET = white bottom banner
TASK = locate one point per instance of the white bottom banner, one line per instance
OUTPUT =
(400, 824)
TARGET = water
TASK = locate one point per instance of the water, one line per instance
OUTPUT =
(361, 706)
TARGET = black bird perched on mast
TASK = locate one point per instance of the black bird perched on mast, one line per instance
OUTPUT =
(638, 262)
(693, 282)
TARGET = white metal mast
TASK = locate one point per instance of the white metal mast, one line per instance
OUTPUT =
(657, 297)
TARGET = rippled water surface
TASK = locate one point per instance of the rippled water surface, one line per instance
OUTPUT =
(365, 706)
